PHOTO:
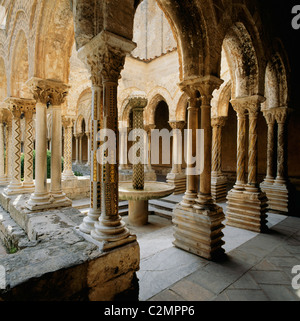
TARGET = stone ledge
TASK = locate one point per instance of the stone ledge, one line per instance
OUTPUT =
(58, 263)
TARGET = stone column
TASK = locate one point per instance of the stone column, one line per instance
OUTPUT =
(68, 130)
(96, 168)
(176, 177)
(192, 124)
(8, 165)
(218, 182)
(241, 145)
(3, 180)
(15, 185)
(80, 147)
(281, 118)
(28, 184)
(123, 147)
(77, 148)
(105, 55)
(150, 174)
(206, 88)
(198, 229)
(57, 95)
(270, 119)
(88, 134)
(247, 204)
(279, 193)
(40, 199)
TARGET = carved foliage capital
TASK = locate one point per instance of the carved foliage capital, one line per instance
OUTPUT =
(177, 124)
(218, 121)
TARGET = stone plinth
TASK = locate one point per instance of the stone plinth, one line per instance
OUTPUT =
(199, 231)
(178, 181)
(219, 188)
(247, 210)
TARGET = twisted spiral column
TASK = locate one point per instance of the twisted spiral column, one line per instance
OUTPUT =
(270, 119)
(281, 118)
(252, 157)
(241, 145)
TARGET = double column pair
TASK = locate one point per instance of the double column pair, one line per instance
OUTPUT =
(247, 204)
(276, 185)
(104, 56)
(197, 219)
(20, 108)
(48, 93)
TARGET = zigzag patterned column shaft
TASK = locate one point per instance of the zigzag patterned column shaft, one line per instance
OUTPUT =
(28, 150)
(138, 175)
(15, 184)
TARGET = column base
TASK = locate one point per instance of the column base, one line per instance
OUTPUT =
(219, 189)
(59, 199)
(4, 181)
(247, 210)
(278, 197)
(112, 234)
(14, 188)
(89, 221)
(178, 180)
(200, 231)
(47, 201)
(188, 200)
(68, 176)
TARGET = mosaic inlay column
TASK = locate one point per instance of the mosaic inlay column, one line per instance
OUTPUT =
(105, 55)
(68, 130)
(138, 176)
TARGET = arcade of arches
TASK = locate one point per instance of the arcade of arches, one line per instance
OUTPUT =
(70, 68)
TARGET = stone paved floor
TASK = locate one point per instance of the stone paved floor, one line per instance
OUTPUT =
(258, 267)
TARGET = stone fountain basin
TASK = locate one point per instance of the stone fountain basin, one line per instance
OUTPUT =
(152, 190)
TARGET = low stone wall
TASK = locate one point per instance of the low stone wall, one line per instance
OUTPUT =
(56, 262)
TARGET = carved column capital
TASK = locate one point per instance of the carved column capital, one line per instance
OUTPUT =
(17, 106)
(218, 121)
(177, 124)
(269, 115)
(138, 100)
(104, 56)
(67, 122)
(281, 114)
